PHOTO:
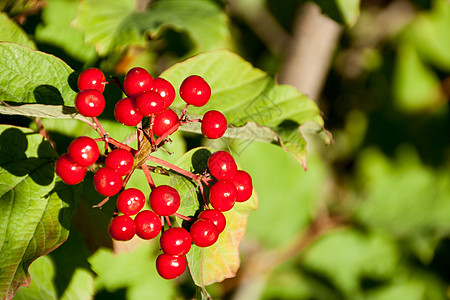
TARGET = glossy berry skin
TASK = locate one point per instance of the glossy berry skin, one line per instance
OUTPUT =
(164, 200)
(175, 241)
(223, 195)
(83, 151)
(90, 103)
(216, 217)
(107, 182)
(170, 266)
(91, 78)
(126, 112)
(243, 183)
(148, 224)
(130, 201)
(165, 89)
(194, 90)
(214, 124)
(204, 233)
(137, 81)
(120, 160)
(69, 172)
(149, 103)
(164, 122)
(222, 165)
(122, 228)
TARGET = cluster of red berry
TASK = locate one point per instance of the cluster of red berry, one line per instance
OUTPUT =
(151, 97)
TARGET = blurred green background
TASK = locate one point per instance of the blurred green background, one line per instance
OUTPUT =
(369, 219)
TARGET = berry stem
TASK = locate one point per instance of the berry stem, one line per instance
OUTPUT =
(173, 167)
(167, 133)
(118, 83)
(168, 221)
(101, 203)
(102, 132)
(184, 217)
(119, 144)
(151, 183)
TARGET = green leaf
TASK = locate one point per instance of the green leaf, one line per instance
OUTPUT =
(29, 76)
(134, 271)
(405, 199)
(11, 32)
(346, 256)
(35, 207)
(342, 11)
(56, 30)
(102, 21)
(245, 94)
(279, 175)
(416, 87)
(110, 25)
(221, 260)
(43, 111)
(428, 32)
(62, 274)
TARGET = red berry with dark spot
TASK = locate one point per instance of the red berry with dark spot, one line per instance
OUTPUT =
(90, 103)
(223, 195)
(107, 182)
(222, 165)
(204, 233)
(175, 241)
(165, 121)
(120, 160)
(122, 228)
(148, 224)
(216, 216)
(149, 103)
(243, 182)
(91, 78)
(83, 151)
(194, 90)
(130, 201)
(164, 200)
(137, 81)
(170, 266)
(126, 112)
(165, 89)
(214, 124)
(70, 172)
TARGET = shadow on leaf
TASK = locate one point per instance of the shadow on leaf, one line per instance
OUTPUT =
(48, 94)
(13, 157)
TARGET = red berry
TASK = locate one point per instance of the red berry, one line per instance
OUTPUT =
(194, 90)
(164, 200)
(130, 201)
(92, 78)
(222, 165)
(175, 241)
(148, 224)
(149, 103)
(126, 112)
(165, 89)
(223, 195)
(83, 151)
(122, 228)
(216, 216)
(120, 160)
(214, 124)
(107, 182)
(204, 233)
(164, 122)
(70, 172)
(137, 81)
(243, 182)
(90, 103)
(170, 266)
